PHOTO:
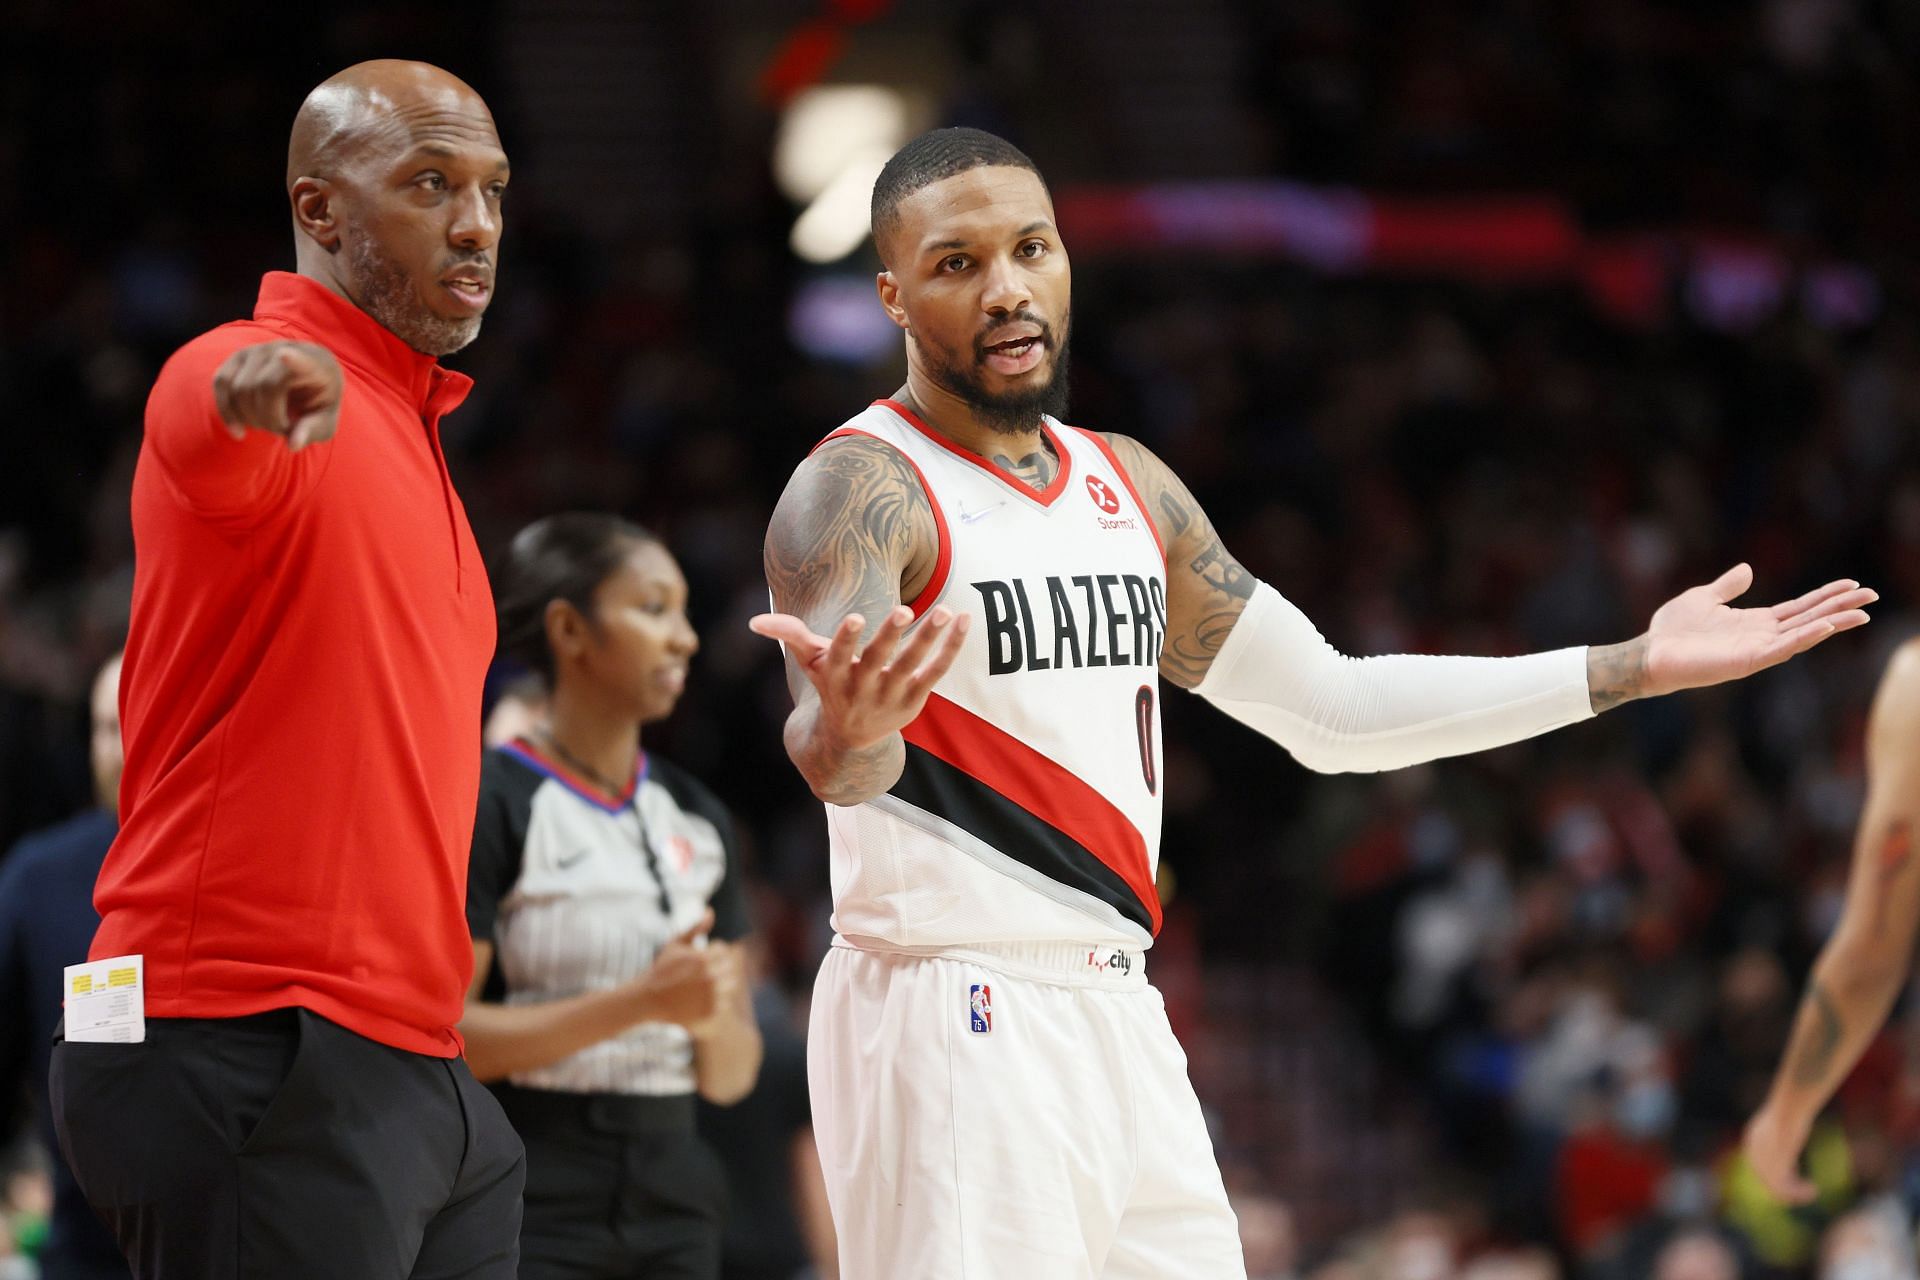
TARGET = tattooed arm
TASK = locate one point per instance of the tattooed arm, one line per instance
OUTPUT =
(1206, 587)
(851, 537)
(1239, 644)
(1864, 964)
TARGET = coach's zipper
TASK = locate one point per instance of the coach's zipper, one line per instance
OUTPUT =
(432, 424)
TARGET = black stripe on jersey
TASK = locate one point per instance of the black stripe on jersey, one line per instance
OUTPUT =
(930, 783)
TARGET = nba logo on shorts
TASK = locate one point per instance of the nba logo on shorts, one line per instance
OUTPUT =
(980, 1008)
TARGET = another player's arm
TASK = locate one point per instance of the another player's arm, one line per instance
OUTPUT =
(851, 535)
(1243, 647)
(1864, 964)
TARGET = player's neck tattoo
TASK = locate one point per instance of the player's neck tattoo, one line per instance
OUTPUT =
(1036, 469)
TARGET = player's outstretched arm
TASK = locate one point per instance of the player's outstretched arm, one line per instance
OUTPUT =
(851, 535)
(1864, 964)
(1238, 643)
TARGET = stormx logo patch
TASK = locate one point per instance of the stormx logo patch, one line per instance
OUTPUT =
(1103, 495)
(1108, 501)
(980, 1008)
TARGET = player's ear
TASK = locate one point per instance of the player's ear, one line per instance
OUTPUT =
(889, 290)
(313, 211)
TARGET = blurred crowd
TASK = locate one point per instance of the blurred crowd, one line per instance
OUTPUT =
(1570, 965)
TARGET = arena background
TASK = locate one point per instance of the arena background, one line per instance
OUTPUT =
(1476, 327)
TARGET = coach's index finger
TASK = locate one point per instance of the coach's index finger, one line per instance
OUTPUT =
(278, 387)
(309, 372)
(233, 386)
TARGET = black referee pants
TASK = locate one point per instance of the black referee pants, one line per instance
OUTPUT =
(618, 1187)
(283, 1145)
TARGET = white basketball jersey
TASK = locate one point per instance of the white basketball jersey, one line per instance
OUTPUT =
(1029, 809)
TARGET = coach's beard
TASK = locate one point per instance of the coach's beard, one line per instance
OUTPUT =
(387, 294)
(1014, 412)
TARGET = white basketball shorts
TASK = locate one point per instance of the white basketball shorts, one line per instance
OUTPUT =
(1019, 1112)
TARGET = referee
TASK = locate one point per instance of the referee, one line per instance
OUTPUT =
(604, 906)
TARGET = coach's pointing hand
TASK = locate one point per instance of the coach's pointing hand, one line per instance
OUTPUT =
(291, 389)
(867, 695)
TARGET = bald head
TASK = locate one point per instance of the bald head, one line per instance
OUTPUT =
(396, 178)
(372, 105)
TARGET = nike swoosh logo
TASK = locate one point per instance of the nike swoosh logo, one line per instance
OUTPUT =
(571, 860)
(968, 517)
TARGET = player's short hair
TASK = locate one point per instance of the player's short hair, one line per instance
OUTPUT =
(562, 557)
(934, 157)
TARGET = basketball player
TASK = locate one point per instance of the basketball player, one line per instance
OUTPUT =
(996, 1088)
(1865, 961)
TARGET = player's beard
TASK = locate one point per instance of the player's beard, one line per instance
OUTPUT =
(387, 294)
(1016, 411)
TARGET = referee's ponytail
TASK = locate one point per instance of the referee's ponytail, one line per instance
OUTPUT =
(563, 557)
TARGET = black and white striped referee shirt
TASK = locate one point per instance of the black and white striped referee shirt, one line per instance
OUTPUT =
(578, 893)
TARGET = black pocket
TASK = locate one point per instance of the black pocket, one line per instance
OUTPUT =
(87, 1085)
(259, 1060)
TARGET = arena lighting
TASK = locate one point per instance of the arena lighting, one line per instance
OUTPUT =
(836, 317)
(835, 224)
(826, 127)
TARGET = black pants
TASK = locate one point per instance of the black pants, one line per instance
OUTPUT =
(283, 1145)
(617, 1188)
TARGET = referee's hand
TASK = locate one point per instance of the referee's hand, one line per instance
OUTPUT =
(680, 986)
(291, 389)
(731, 999)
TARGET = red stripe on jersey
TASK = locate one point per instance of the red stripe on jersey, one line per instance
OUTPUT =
(1044, 496)
(943, 558)
(1042, 787)
(1100, 441)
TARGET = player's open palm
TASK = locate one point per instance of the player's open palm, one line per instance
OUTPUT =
(1699, 637)
(290, 389)
(869, 693)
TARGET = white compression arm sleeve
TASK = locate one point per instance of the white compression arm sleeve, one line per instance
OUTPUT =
(1336, 714)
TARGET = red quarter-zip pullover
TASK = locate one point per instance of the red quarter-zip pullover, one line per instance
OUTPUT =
(301, 696)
